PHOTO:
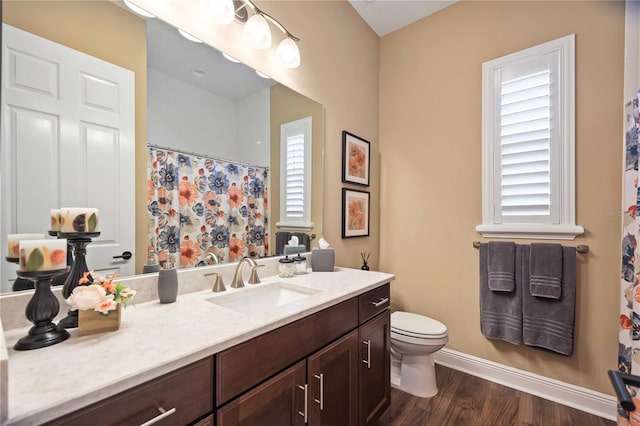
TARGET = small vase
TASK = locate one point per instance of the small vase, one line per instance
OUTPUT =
(93, 322)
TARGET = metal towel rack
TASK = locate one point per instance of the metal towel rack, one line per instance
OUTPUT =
(579, 248)
(619, 380)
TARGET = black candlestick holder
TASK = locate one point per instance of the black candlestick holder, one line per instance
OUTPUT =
(19, 283)
(79, 242)
(41, 310)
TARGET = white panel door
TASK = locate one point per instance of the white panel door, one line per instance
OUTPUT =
(67, 140)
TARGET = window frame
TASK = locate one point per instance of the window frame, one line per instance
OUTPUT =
(562, 157)
(293, 222)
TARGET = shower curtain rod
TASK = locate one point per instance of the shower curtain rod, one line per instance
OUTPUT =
(579, 248)
(150, 145)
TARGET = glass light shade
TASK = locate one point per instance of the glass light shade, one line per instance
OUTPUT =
(257, 33)
(219, 11)
(288, 53)
(230, 58)
(137, 9)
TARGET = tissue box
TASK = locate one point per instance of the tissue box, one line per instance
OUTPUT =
(322, 260)
(294, 249)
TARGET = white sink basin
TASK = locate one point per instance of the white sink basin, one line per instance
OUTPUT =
(262, 298)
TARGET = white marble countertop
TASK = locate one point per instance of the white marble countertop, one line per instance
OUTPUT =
(155, 339)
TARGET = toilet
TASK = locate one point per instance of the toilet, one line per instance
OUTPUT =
(414, 339)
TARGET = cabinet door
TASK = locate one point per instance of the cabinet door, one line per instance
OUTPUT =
(278, 401)
(375, 375)
(333, 383)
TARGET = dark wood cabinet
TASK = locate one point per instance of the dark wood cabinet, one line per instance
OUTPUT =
(375, 383)
(330, 368)
(333, 383)
(177, 398)
(278, 401)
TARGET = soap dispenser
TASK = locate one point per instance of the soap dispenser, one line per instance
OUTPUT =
(168, 282)
(152, 263)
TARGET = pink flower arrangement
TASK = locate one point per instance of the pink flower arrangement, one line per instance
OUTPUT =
(100, 294)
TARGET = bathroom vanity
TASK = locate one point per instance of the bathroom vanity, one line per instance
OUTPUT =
(203, 361)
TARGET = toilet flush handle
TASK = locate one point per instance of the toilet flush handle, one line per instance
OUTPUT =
(368, 360)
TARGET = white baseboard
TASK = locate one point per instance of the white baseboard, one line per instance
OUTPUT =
(580, 398)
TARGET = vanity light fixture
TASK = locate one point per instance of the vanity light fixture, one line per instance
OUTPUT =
(219, 11)
(137, 9)
(258, 34)
(188, 36)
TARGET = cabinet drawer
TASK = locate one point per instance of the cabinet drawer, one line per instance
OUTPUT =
(373, 302)
(189, 390)
(243, 366)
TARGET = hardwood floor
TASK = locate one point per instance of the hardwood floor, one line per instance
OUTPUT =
(465, 400)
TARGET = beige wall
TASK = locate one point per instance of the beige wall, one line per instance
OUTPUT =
(430, 144)
(286, 106)
(339, 69)
(108, 32)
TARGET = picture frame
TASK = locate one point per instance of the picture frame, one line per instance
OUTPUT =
(355, 213)
(356, 159)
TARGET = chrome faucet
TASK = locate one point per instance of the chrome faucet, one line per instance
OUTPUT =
(237, 277)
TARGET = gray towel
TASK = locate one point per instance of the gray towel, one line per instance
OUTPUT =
(282, 237)
(502, 264)
(548, 322)
(500, 312)
(546, 270)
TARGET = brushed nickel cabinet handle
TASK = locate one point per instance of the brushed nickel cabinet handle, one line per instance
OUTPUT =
(321, 400)
(305, 388)
(381, 301)
(368, 360)
(163, 413)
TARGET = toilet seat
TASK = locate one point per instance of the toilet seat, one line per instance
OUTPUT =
(417, 326)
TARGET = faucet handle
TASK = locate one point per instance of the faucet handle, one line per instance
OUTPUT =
(254, 278)
(219, 285)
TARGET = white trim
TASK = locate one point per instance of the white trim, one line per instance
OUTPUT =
(545, 232)
(577, 397)
(298, 225)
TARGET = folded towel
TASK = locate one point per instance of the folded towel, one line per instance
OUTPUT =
(549, 322)
(501, 259)
(501, 311)
(546, 270)
(282, 238)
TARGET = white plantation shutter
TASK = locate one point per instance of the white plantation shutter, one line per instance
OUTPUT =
(294, 178)
(528, 170)
(295, 174)
(524, 153)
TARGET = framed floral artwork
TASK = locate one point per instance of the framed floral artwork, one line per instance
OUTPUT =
(355, 159)
(355, 213)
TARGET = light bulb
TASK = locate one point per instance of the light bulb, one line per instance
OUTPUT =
(137, 9)
(188, 36)
(257, 33)
(230, 58)
(288, 53)
(219, 11)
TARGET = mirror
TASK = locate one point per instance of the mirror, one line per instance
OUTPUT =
(247, 123)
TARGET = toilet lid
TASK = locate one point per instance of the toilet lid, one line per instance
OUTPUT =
(416, 325)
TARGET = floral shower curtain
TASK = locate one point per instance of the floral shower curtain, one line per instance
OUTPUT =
(200, 205)
(629, 342)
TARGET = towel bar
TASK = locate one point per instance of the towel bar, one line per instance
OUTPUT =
(579, 248)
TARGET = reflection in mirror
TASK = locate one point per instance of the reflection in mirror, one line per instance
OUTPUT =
(212, 120)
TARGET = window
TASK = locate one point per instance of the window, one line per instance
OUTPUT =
(528, 170)
(295, 174)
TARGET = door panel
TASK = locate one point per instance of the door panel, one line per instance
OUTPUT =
(375, 375)
(67, 139)
(333, 383)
